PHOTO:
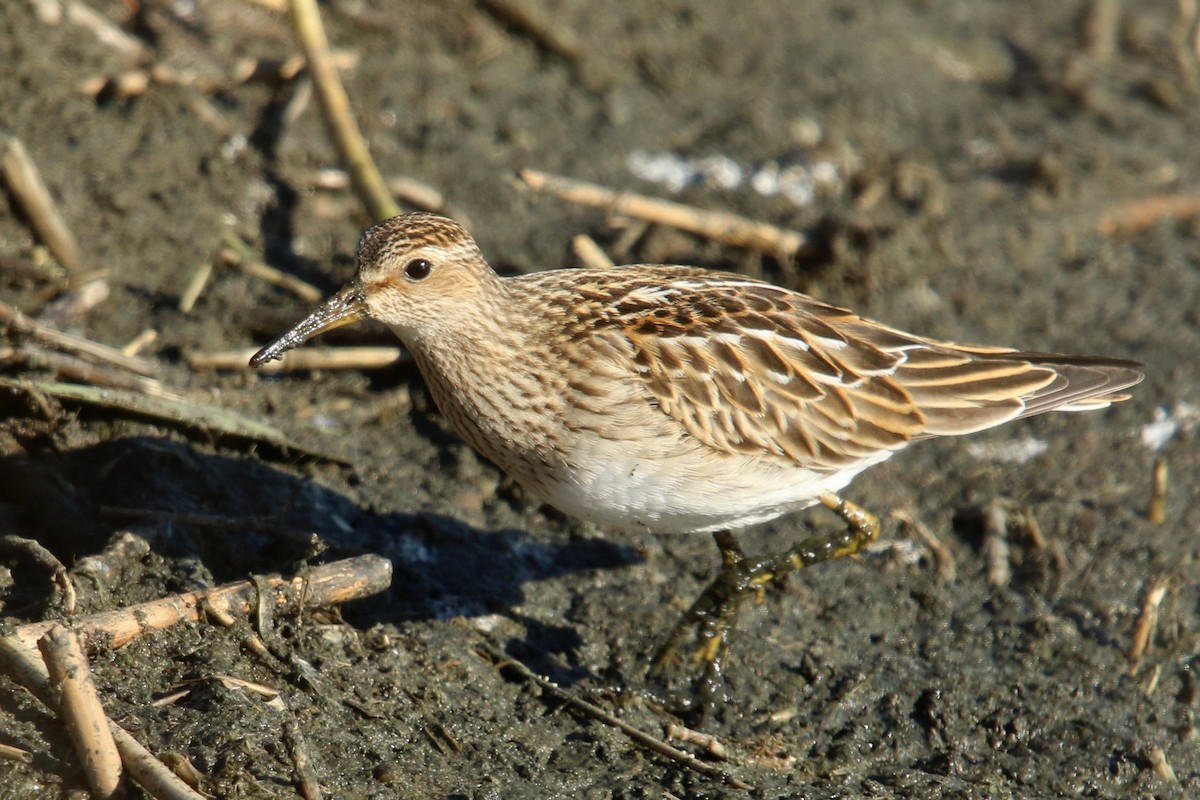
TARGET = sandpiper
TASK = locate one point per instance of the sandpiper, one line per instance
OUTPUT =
(680, 400)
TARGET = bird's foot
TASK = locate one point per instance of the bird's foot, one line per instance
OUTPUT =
(712, 617)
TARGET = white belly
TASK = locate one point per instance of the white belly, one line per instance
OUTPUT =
(690, 492)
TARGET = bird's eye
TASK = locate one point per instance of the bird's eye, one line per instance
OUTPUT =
(418, 269)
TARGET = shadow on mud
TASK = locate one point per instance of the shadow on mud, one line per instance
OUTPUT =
(216, 518)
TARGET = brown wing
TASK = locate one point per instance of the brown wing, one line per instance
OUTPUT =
(751, 368)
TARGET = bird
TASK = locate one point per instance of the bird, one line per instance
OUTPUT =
(677, 399)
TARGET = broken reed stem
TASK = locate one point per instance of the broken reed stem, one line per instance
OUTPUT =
(10, 753)
(351, 146)
(328, 584)
(80, 709)
(76, 345)
(72, 368)
(25, 183)
(731, 229)
(20, 663)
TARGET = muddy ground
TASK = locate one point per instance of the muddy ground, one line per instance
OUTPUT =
(975, 149)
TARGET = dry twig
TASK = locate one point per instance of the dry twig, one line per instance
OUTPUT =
(554, 37)
(68, 367)
(415, 193)
(76, 345)
(25, 183)
(1143, 632)
(309, 358)
(239, 254)
(351, 146)
(592, 711)
(705, 741)
(306, 776)
(18, 662)
(590, 253)
(731, 229)
(328, 584)
(1138, 216)
(1156, 509)
(1101, 27)
(105, 31)
(995, 544)
(1160, 765)
(945, 565)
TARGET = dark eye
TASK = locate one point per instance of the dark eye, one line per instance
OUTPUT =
(418, 269)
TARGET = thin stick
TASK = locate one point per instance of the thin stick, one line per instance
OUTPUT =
(86, 348)
(706, 741)
(105, 31)
(1143, 632)
(1160, 765)
(591, 711)
(1101, 28)
(306, 776)
(415, 193)
(1156, 509)
(590, 253)
(25, 183)
(140, 342)
(945, 566)
(530, 19)
(351, 146)
(18, 662)
(195, 286)
(328, 584)
(76, 369)
(245, 259)
(80, 709)
(731, 229)
(308, 358)
(1138, 216)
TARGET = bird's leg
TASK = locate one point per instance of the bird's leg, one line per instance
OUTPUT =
(713, 616)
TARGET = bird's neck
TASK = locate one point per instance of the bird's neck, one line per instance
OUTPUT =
(487, 375)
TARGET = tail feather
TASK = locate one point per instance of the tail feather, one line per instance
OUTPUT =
(963, 389)
(1081, 383)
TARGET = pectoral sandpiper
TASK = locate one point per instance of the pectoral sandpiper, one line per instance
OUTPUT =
(681, 400)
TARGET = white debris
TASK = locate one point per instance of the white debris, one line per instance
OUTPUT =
(1183, 418)
(1012, 451)
(800, 183)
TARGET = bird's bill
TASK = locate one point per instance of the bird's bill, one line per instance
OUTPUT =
(347, 306)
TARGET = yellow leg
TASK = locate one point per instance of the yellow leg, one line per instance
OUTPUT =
(712, 617)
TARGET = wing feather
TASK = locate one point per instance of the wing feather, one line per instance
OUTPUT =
(750, 368)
